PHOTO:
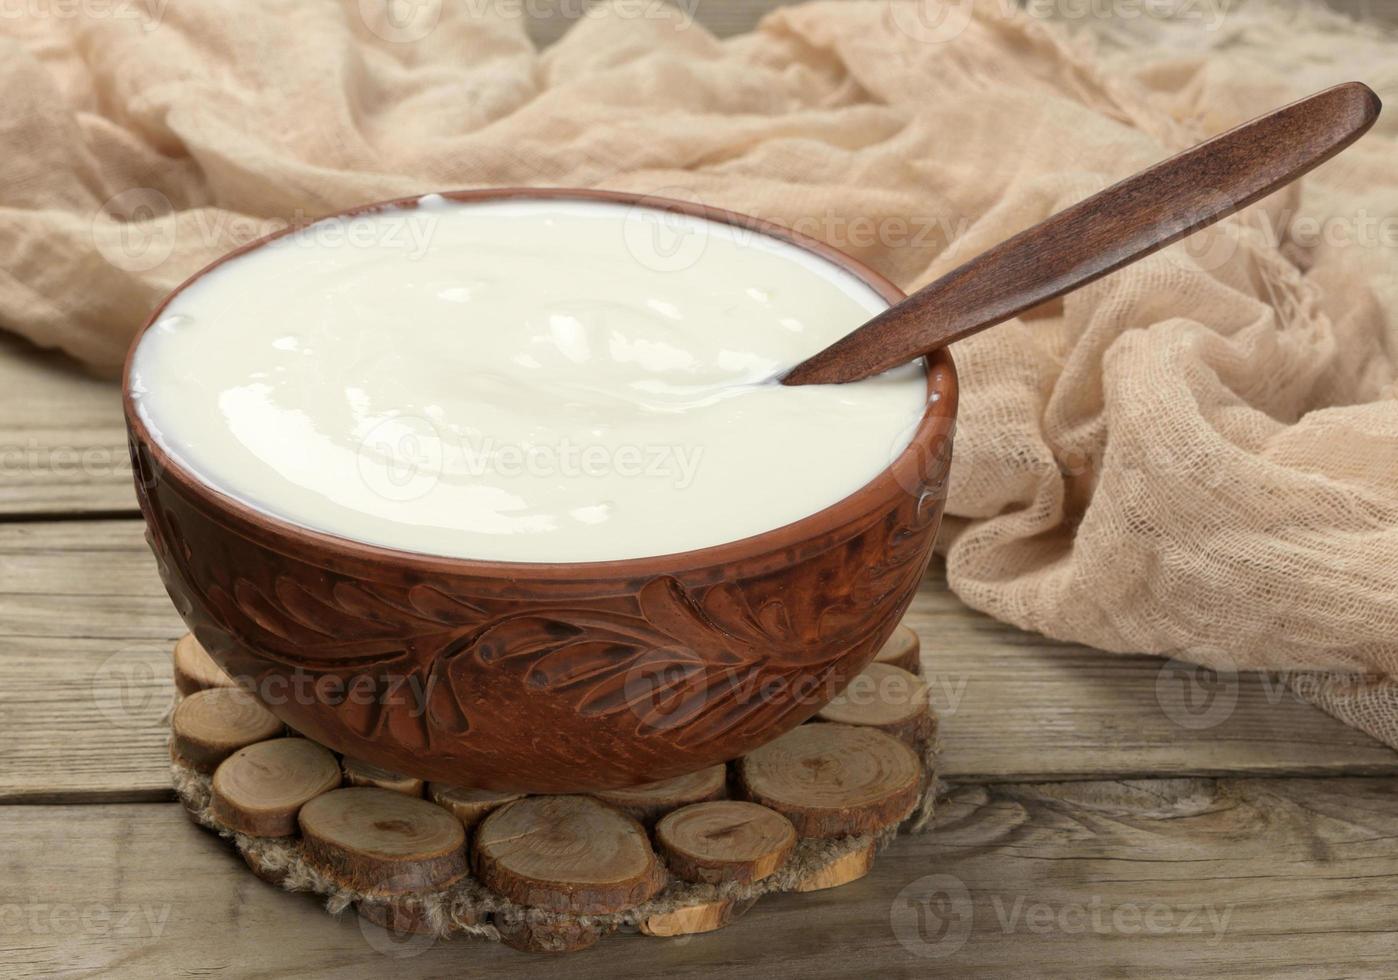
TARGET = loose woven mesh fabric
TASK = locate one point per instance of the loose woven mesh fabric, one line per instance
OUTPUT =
(1197, 456)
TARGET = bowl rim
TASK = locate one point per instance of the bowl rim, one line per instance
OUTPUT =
(873, 498)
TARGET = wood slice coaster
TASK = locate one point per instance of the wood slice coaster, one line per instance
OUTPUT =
(260, 789)
(727, 840)
(195, 670)
(566, 854)
(209, 726)
(469, 805)
(648, 802)
(381, 842)
(556, 873)
(363, 774)
(834, 780)
(887, 698)
(902, 649)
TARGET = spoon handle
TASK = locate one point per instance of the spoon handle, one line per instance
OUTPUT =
(1123, 223)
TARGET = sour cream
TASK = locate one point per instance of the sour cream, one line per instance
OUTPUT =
(524, 380)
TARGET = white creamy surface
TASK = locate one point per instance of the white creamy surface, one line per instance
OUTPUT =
(522, 381)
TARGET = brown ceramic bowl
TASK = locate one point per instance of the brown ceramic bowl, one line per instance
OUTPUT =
(551, 677)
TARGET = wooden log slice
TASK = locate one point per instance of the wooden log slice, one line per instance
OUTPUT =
(651, 801)
(209, 726)
(380, 842)
(834, 780)
(689, 920)
(842, 870)
(195, 670)
(258, 790)
(553, 936)
(566, 854)
(359, 773)
(469, 805)
(902, 649)
(726, 840)
(887, 698)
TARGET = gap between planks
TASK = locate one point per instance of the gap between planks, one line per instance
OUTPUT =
(1183, 877)
(86, 632)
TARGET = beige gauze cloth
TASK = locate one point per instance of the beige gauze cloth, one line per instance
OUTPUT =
(1197, 456)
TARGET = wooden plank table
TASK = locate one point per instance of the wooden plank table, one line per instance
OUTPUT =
(1108, 815)
(1105, 817)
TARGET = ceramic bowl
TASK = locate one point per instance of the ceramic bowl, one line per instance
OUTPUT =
(551, 677)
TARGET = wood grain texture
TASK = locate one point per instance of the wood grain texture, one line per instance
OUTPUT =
(841, 871)
(195, 670)
(1302, 871)
(690, 920)
(834, 780)
(470, 806)
(62, 443)
(902, 649)
(1235, 878)
(359, 773)
(209, 726)
(724, 840)
(566, 854)
(650, 801)
(885, 697)
(1015, 706)
(86, 630)
(260, 789)
(378, 841)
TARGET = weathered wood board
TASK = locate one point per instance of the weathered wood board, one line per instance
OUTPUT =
(1229, 878)
(86, 633)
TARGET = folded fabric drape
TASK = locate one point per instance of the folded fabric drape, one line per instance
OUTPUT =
(1197, 456)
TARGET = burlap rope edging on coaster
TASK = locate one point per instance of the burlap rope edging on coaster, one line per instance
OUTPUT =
(885, 710)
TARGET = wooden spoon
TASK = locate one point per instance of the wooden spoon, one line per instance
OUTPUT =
(1123, 223)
